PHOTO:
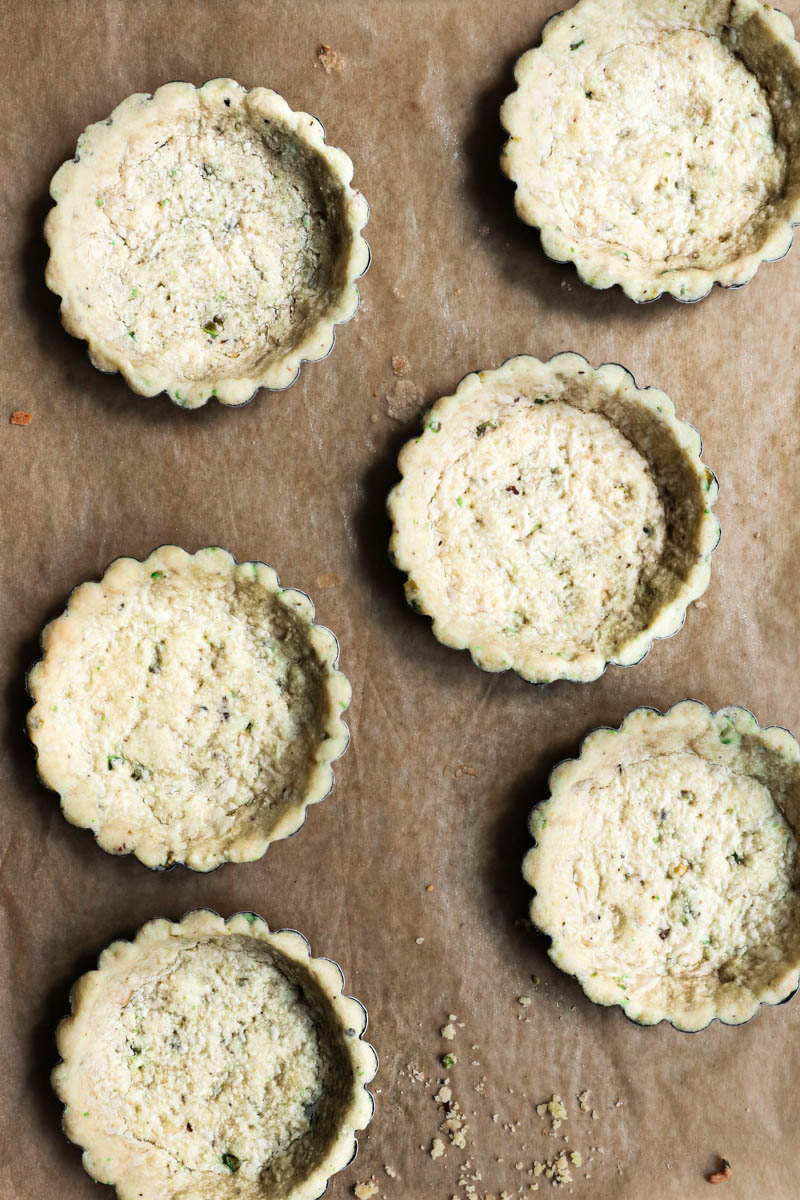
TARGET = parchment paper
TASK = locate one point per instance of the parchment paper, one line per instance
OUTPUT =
(445, 761)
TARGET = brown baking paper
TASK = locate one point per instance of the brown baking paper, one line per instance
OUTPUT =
(445, 761)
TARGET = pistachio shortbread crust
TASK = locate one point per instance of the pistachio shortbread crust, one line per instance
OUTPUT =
(187, 709)
(214, 1059)
(553, 518)
(206, 241)
(666, 865)
(656, 144)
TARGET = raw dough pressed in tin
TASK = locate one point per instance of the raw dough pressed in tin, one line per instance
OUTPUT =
(658, 146)
(214, 1060)
(667, 869)
(205, 241)
(187, 709)
(553, 518)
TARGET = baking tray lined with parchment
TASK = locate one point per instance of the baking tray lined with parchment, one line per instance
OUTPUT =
(445, 762)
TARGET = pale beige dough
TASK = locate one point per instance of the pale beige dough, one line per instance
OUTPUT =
(206, 241)
(220, 1040)
(707, 867)
(214, 249)
(666, 149)
(656, 143)
(213, 1059)
(189, 710)
(553, 518)
(667, 869)
(565, 561)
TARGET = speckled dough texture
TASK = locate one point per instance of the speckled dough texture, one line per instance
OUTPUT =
(187, 708)
(205, 241)
(666, 868)
(213, 1059)
(657, 144)
(553, 518)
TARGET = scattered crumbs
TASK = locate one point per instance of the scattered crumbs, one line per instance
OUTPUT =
(454, 1131)
(458, 291)
(404, 400)
(524, 1001)
(429, 887)
(700, 604)
(331, 62)
(413, 1073)
(419, 940)
(484, 231)
(400, 365)
(328, 580)
(390, 1171)
(618, 1104)
(365, 1191)
(398, 295)
(373, 418)
(467, 1178)
(21, 418)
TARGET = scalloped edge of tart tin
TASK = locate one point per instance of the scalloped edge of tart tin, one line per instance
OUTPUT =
(321, 780)
(709, 540)
(349, 1012)
(604, 730)
(703, 281)
(283, 371)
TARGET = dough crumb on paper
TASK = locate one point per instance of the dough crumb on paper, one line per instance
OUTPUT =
(331, 62)
(454, 1129)
(365, 1191)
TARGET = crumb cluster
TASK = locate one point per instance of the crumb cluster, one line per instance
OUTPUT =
(454, 1133)
(332, 63)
